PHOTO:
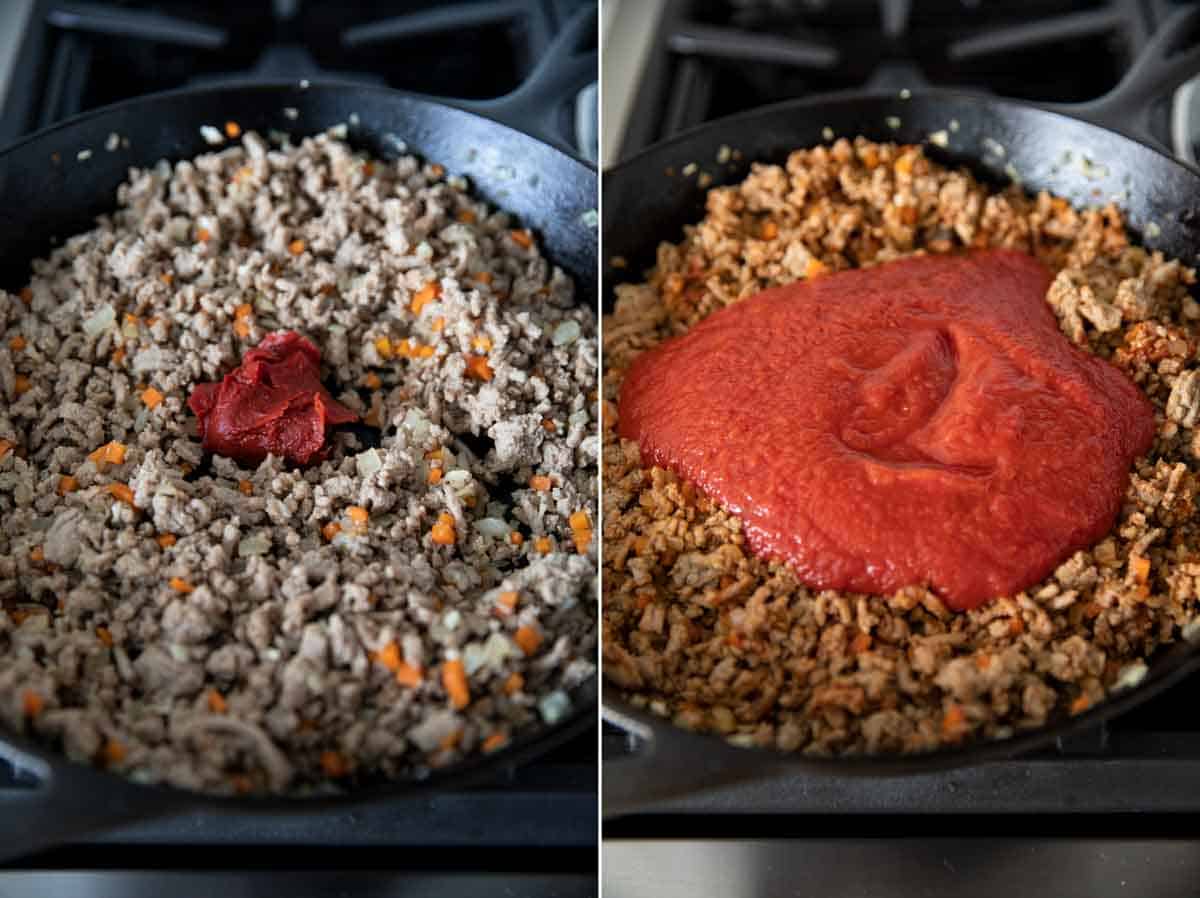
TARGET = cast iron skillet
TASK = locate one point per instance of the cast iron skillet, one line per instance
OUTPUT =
(1044, 145)
(48, 195)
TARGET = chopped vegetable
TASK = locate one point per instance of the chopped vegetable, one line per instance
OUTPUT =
(17, 343)
(32, 703)
(105, 636)
(6, 446)
(435, 475)
(466, 216)
(246, 487)
(296, 247)
(37, 555)
(114, 752)
(118, 356)
(481, 344)
(122, 493)
(516, 538)
(167, 278)
(543, 544)
(495, 741)
(383, 346)
(233, 130)
(371, 381)
(424, 296)
(438, 325)
(166, 540)
(22, 384)
(112, 453)
(954, 723)
(540, 482)
(454, 679)
(1081, 704)
(522, 238)
(203, 235)
(407, 675)
(769, 230)
(507, 601)
(814, 268)
(579, 520)
(152, 398)
(180, 585)
(443, 532)
(528, 639)
(484, 277)
(216, 702)
(389, 656)
(330, 530)
(26, 295)
(334, 764)
(358, 515)
(514, 683)
(66, 483)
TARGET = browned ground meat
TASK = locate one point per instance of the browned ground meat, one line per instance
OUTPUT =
(701, 631)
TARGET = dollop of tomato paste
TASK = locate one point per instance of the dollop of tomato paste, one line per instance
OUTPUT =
(922, 422)
(273, 403)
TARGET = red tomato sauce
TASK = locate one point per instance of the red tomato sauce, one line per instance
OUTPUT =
(273, 403)
(920, 422)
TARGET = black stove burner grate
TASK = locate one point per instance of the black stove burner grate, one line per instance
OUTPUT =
(712, 59)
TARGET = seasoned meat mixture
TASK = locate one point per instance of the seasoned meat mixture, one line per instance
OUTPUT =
(701, 631)
(425, 593)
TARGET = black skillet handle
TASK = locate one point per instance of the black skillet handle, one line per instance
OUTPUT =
(54, 806)
(563, 71)
(1160, 68)
(669, 762)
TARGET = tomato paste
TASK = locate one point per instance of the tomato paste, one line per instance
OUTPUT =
(922, 422)
(273, 403)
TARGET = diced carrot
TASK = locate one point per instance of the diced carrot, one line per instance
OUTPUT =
(769, 230)
(37, 554)
(17, 343)
(358, 515)
(180, 585)
(32, 703)
(540, 482)
(579, 520)
(861, 643)
(484, 277)
(296, 247)
(549, 426)
(514, 683)
(114, 752)
(582, 540)
(245, 310)
(66, 484)
(368, 169)
(371, 381)
(118, 355)
(388, 656)
(233, 130)
(478, 368)
(437, 171)
(1140, 568)
(451, 741)
(371, 418)
(454, 679)
(443, 532)
(425, 296)
(983, 661)
(383, 346)
(22, 384)
(424, 352)
(330, 530)
(904, 165)
(954, 723)
(26, 295)
(466, 216)
(166, 540)
(507, 601)
(521, 238)
(435, 475)
(112, 453)
(407, 675)
(814, 268)
(105, 636)
(242, 784)
(1016, 626)
(1081, 704)
(334, 764)
(152, 398)
(404, 349)
(203, 235)
(543, 544)
(122, 493)
(435, 454)
(6, 446)
(528, 639)
(516, 537)
(167, 278)
(438, 325)
(216, 702)
(481, 344)
(495, 741)
(246, 487)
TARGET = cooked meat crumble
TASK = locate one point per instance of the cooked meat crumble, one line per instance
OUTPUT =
(700, 630)
(391, 609)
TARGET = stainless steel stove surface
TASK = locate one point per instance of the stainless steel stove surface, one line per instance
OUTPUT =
(1109, 814)
(533, 833)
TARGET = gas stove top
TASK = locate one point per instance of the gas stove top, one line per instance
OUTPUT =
(533, 832)
(1101, 815)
